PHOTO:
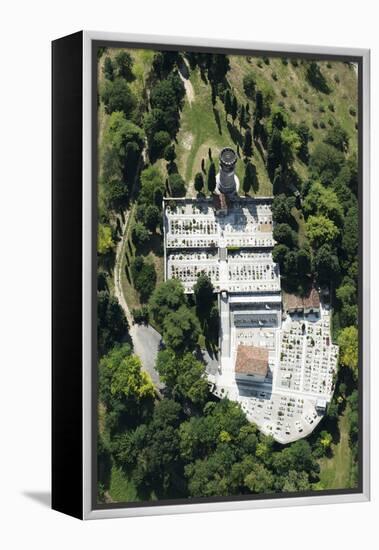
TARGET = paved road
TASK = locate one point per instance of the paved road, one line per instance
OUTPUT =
(146, 343)
(146, 340)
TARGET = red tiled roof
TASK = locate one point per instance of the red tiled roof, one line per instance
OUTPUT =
(311, 301)
(252, 360)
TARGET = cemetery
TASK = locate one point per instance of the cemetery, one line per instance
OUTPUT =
(276, 357)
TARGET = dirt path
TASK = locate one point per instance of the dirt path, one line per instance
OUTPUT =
(118, 271)
(184, 75)
(146, 340)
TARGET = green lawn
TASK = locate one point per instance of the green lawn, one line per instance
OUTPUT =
(203, 126)
(335, 472)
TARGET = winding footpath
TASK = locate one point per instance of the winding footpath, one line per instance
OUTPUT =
(146, 340)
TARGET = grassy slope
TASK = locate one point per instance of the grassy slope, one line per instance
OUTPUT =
(301, 95)
(335, 472)
(199, 128)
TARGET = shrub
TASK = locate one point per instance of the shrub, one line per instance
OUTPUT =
(141, 315)
(266, 60)
(274, 76)
(177, 185)
(284, 61)
(283, 92)
(316, 78)
(322, 124)
(140, 234)
(293, 108)
(352, 111)
(331, 107)
(249, 85)
(336, 78)
(144, 277)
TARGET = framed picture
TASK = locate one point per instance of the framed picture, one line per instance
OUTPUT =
(210, 275)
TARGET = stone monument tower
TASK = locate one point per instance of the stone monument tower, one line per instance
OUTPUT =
(227, 182)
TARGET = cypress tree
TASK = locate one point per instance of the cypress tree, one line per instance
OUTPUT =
(254, 181)
(213, 97)
(277, 180)
(234, 108)
(211, 181)
(274, 153)
(108, 68)
(258, 105)
(247, 179)
(199, 182)
(247, 145)
(242, 116)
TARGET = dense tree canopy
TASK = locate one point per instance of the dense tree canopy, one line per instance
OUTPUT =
(203, 293)
(124, 65)
(127, 377)
(283, 234)
(326, 265)
(321, 230)
(104, 239)
(112, 325)
(181, 329)
(325, 163)
(184, 376)
(348, 342)
(152, 186)
(177, 185)
(323, 200)
(144, 277)
(117, 96)
(166, 298)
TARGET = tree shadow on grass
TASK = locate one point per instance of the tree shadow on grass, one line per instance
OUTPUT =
(260, 150)
(235, 134)
(128, 274)
(217, 119)
(154, 244)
